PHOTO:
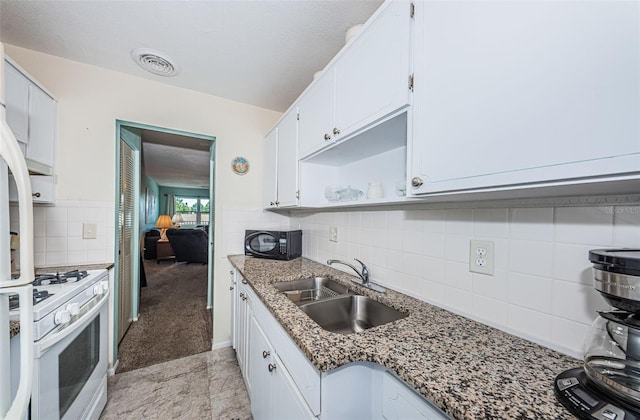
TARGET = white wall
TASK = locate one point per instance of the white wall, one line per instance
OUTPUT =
(542, 289)
(90, 100)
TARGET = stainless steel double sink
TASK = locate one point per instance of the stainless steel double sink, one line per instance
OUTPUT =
(335, 307)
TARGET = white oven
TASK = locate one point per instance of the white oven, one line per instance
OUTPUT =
(70, 345)
(70, 371)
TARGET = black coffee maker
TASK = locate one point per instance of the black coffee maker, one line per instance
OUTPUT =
(607, 387)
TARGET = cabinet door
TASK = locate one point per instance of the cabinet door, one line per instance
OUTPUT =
(17, 97)
(234, 314)
(288, 403)
(260, 357)
(372, 76)
(510, 93)
(316, 115)
(270, 168)
(42, 127)
(288, 160)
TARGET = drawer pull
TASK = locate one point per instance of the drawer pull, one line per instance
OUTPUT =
(230, 287)
(272, 367)
(36, 194)
(327, 136)
(336, 131)
(265, 354)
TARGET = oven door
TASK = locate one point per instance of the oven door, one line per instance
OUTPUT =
(70, 375)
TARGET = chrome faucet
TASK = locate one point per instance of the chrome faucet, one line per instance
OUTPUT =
(363, 274)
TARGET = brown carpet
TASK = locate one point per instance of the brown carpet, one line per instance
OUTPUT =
(173, 322)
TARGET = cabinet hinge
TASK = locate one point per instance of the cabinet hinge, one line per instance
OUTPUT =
(298, 194)
(412, 10)
(411, 82)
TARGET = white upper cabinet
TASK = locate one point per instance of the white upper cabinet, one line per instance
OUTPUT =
(288, 160)
(316, 115)
(17, 97)
(367, 82)
(270, 169)
(372, 76)
(31, 115)
(280, 177)
(514, 94)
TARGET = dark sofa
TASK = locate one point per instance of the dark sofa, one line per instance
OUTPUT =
(190, 245)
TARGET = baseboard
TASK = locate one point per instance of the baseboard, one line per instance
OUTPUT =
(112, 371)
(222, 345)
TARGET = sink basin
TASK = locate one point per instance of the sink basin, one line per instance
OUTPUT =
(350, 314)
(311, 289)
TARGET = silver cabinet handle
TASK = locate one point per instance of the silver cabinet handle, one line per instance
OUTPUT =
(272, 367)
(244, 298)
(336, 131)
(327, 136)
(277, 203)
(230, 287)
(231, 272)
(244, 281)
(271, 203)
(36, 194)
(416, 182)
(265, 354)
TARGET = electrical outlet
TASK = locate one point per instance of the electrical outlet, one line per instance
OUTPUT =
(333, 233)
(89, 231)
(481, 257)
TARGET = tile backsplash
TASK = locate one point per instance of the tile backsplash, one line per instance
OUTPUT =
(57, 233)
(542, 284)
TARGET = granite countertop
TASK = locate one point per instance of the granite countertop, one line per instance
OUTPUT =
(466, 368)
(14, 326)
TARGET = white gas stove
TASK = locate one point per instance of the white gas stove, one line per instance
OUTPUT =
(59, 297)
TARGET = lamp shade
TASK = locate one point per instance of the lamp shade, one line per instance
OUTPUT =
(177, 218)
(164, 223)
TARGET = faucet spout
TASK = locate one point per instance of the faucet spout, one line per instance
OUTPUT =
(363, 274)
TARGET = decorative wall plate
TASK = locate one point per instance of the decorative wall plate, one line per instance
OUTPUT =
(240, 165)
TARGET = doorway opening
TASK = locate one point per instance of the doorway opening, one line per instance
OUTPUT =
(163, 251)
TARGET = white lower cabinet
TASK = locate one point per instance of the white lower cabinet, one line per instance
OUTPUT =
(274, 393)
(365, 390)
(283, 384)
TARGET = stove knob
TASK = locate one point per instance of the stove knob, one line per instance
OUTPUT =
(73, 308)
(62, 317)
(97, 290)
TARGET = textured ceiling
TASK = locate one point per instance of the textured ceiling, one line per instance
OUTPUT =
(262, 53)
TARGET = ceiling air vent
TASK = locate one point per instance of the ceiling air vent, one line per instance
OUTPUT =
(155, 62)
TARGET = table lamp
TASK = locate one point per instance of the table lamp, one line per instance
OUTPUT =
(164, 223)
(177, 219)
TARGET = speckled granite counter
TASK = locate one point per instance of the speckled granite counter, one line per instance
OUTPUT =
(466, 368)
(14, 326)
(65, 268)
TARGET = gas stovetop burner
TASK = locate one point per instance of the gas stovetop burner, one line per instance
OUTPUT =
(69, 276)
(38, 296)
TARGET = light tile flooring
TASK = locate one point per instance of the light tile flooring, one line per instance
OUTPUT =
(206, 385)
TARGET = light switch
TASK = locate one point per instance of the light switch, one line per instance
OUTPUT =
(89, 231)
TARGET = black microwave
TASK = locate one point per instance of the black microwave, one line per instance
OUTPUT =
(276, 245)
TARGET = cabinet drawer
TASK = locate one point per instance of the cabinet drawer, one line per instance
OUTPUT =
(42, 188)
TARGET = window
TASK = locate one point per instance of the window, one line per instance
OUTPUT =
(194, 211)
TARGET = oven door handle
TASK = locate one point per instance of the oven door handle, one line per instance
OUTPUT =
(82, 321)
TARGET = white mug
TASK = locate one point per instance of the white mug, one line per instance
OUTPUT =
(375, 190)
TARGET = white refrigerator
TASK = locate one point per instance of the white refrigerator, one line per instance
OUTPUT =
(15, 405)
